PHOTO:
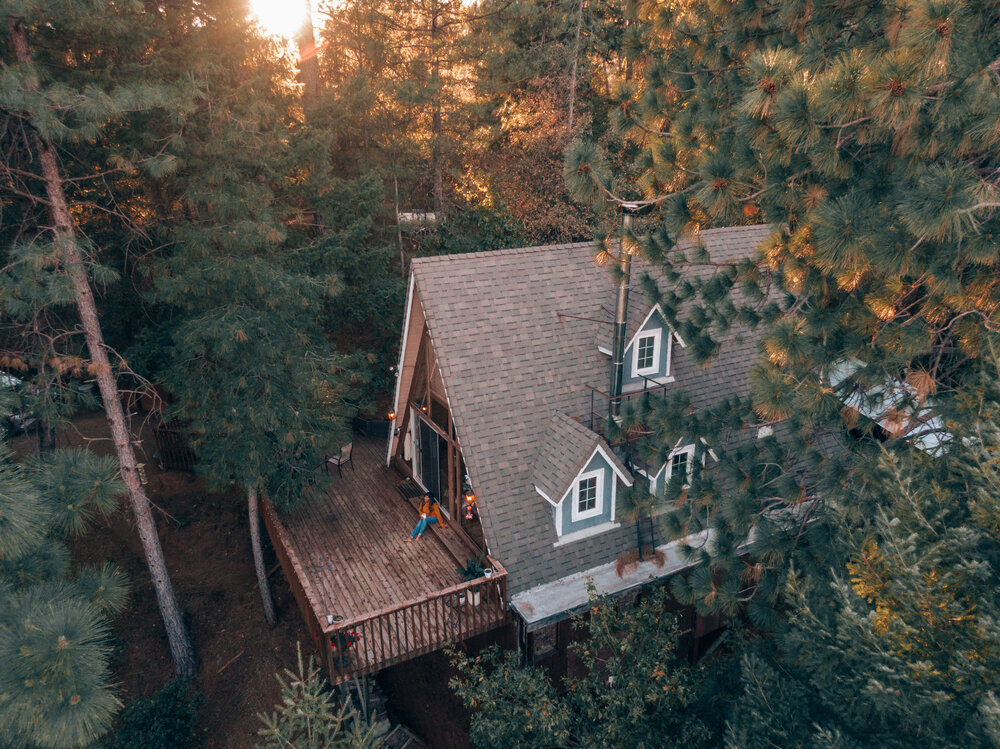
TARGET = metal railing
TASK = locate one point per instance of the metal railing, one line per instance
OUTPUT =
(649, 386)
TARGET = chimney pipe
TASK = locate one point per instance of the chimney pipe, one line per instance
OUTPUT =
(621, 314)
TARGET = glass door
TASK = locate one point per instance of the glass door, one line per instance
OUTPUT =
(430, 458)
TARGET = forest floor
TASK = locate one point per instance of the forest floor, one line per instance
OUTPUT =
(206, 543)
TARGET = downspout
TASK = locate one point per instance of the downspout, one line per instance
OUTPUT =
(621, 315)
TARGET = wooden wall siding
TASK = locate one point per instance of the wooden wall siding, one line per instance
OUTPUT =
(347, 554)
(426, 382)
(414, 332)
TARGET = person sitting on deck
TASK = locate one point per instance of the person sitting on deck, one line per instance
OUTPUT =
(430, 513)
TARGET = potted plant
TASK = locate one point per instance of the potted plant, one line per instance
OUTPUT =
(340, 642)
(473, 570)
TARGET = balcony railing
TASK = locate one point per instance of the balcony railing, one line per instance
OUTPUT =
(368, 643)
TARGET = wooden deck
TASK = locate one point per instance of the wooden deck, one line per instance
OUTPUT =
(348, 559)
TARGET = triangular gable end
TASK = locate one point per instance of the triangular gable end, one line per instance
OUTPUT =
(638, 330)
(611, 460)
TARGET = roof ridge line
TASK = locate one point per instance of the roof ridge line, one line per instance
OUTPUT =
(453, 256)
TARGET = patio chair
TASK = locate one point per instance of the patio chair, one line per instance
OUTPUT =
(345, 456)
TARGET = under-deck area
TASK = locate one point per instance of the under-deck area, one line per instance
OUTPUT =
(372, 596)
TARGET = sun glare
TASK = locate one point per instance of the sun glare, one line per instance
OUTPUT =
(281, 18)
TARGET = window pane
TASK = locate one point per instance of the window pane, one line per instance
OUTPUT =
(647, 344)
(587, 497)
(679, 464)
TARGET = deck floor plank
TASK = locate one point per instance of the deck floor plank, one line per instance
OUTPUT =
(353, 541)
(349, 550)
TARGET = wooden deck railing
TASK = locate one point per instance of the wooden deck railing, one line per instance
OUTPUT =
(368, 643)
(292, 569)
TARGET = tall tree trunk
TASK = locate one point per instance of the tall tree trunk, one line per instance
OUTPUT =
(437, 155)
(177, 636)
(46, 434)
(438, 168)
(399, 229)
(308, 61)
(253, 510)
(572, 74)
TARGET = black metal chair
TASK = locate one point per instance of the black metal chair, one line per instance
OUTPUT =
(346, 456)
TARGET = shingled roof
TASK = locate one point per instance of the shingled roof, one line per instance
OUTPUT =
(567, 445)
(515, 335)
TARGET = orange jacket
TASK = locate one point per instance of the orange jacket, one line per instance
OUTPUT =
(431, 509)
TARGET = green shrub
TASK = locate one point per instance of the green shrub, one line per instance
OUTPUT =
(164, 720)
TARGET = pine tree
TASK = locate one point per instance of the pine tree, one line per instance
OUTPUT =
(866, 136)
(35, 102)
(636, 690)
(897, 642)
(524, 56)
(250, 270)
(309, 718)
(55, 684)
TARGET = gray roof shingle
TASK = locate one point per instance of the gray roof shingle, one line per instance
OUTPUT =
(566, 448)
(515, 333)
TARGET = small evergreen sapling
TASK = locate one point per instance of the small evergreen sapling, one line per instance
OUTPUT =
(309, 716)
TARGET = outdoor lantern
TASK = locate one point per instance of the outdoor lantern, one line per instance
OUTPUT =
(470, 503)
(392, 415)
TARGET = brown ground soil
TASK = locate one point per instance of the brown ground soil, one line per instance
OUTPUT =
(206, 543)
(419, 696)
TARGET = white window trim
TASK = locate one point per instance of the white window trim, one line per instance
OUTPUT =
(673, 333)
(657, 337)
(594, 530)
(689, 449)
(572, 494)
(414, 436)
(574, 513)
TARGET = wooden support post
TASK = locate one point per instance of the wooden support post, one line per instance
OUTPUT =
(453, 490)
(427, 377)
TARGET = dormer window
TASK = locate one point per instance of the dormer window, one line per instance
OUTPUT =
(646, 353)
(588, 495)
(649, 352)
(681, 462)
(577, 475)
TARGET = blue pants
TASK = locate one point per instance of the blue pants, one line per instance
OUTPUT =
(422, 525)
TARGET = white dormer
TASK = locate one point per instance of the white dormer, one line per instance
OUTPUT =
(578, 475)
(649, 353)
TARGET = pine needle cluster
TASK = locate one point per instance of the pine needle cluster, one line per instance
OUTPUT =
(55, 683)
